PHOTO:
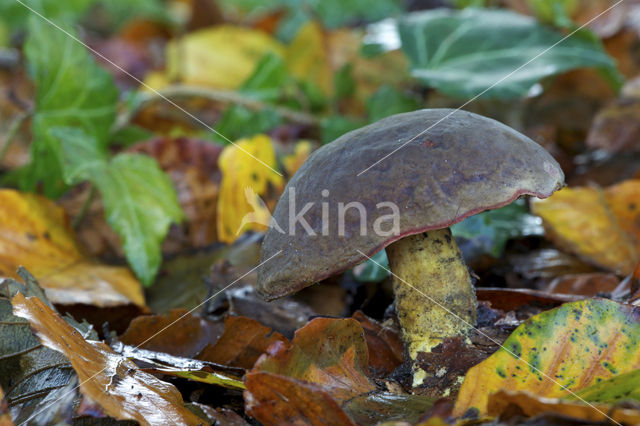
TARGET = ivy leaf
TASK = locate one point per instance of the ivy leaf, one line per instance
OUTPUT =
(463, 53)
(488, 232)
(71, 91)
(15, 15)
(139, 198)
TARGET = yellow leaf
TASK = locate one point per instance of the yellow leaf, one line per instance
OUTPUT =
(565, 349)
(35, 233)
(244, 182)
(222, 57)
(307, 57)
(602, 226)
(293, 161)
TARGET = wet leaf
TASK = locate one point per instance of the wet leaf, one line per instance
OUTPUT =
(209, 377)
(244, 182)
(189, 336)
(36, 233)
(30, 374)
(241, 344)
(463, 53)
(121, 389)
(565, 349)
(601, 226)
(223, 56)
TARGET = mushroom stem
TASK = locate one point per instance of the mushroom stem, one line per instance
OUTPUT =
(429, 276)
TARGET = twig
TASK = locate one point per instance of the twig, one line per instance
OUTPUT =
(9, 58)
(85, 207)
(227, 96)
(12, 132)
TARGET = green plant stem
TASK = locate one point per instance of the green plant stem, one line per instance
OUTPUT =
(85, 207)
(226, 96)
(12, 132)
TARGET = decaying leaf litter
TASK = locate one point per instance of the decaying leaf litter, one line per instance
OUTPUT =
(141, 167)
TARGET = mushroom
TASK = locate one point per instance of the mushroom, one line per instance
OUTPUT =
(383, 186)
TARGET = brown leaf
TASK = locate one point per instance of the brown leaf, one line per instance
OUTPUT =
(329, 352)
(188, 336)
(241, 344)
(532, 405)
(584, 284)
(617, 127)
(273, 399)
(36, 233)
(386, 350)
(121, 389)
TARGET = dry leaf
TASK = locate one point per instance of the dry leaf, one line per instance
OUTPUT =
(602, 226)
(307, 57)
(114, 382)
(222, 57)
(36, 234)
(245, 181)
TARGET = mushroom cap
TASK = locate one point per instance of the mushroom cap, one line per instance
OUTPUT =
(464, 164)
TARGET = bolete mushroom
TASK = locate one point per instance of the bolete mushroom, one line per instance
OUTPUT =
(338, 209)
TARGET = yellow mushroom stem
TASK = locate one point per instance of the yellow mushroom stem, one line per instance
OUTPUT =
(431, 283)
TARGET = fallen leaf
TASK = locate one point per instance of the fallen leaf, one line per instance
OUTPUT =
(591, 284)
(532, 405)
(615, 128)
(34, 232)
(244, 181)
(601, 226)
(222, 57)
(203, 376)
(557, 352)
(329, 352)
(121, 389)
(293, 161)
(273, 399)
(189, 336)
(241, 344)
(307, 57)
(29, 371)
(386, 349)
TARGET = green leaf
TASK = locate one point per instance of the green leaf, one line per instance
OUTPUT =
(16, 15)
(333, 127)
(388, 101)
(463, 53)
(612, 391)
(139, 198)
(488, 232)
(239, 122)
(267, 80)
(71, 91)
(373, 270)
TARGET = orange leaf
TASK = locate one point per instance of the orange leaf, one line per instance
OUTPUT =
(114, 382)
(241, 344)
(35, 233)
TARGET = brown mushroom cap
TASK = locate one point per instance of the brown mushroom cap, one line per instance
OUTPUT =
(465, 164)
